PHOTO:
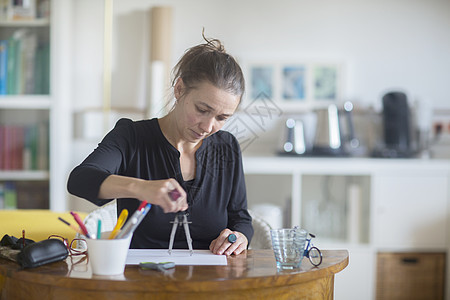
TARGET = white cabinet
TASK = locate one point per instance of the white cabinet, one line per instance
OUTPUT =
(356, 281)
(314, 193)
(336, 207)
(410, 209)
(363, 205)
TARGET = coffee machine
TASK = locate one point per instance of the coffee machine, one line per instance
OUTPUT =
(396, 127)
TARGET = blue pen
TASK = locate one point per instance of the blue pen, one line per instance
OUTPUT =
(99, 229)
(134, 222)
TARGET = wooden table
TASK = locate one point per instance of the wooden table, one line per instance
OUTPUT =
(250, 275)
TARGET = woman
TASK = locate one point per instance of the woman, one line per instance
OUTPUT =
(184, 151)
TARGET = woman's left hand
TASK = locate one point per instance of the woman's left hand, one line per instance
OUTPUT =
(221, 245)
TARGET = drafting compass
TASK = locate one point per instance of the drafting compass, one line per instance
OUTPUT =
(181, 219)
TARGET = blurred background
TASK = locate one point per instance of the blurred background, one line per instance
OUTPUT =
(390, 91)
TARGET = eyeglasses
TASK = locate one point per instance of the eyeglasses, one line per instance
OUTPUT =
(78, 263)
(75, 247)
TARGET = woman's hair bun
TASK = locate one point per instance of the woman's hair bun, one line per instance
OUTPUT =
(213, 44)
(209, 61)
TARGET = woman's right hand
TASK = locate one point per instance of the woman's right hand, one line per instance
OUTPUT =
(153, 191)
(163, 193)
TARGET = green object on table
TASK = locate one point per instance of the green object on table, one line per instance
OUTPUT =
(157, 266)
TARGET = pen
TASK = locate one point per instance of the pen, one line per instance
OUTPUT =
(99, 229)
(80, 223)
(70, 225)
(135, 219)
(120, 221)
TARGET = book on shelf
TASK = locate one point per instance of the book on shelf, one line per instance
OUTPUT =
(3, 66)
(42, 152)
(10, 195)
(42, 69)
(24, 147)
(28, 52)
(21, 62)
(24, 64)
(11, 74)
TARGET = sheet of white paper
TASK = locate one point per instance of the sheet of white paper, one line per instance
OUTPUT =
(179, 257)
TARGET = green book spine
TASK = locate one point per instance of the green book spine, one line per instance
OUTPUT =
(38, 69)
(42, 69)
(19, 67)
(46, 69)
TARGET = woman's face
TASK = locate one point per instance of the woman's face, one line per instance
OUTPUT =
(203, 110)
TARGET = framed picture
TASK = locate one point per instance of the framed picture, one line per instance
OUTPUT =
(326, 82)
(294, 84)
(301, 85)
(262, 81)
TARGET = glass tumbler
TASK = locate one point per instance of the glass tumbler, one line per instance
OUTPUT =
(288, 246)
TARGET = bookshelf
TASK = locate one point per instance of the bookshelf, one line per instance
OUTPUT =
(34, 106)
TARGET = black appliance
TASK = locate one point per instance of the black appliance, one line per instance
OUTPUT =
(396, 127)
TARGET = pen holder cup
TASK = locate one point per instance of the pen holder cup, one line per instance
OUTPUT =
(288, 246)
(108, 257)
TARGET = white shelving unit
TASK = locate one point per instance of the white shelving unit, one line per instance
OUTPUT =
(54, 107)
(25, 102)
(24, 175)
(26, 23)
(402, 206)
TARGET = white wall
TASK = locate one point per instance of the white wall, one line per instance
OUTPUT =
(383, 44)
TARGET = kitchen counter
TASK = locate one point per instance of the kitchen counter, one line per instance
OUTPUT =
(341, 165)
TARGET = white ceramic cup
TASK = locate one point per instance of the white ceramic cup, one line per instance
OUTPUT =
(108, 257)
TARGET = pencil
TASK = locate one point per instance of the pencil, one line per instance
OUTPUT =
(70, 225)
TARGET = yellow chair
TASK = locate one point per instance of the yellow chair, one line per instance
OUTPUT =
(38, 224)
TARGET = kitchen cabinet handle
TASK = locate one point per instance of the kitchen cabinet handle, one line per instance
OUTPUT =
(410, 260)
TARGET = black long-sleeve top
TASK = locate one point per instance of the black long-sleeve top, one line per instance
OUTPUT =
(216, 196)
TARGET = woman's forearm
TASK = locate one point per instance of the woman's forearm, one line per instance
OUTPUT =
(116, 186)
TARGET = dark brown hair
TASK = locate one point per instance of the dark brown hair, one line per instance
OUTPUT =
(210, 62)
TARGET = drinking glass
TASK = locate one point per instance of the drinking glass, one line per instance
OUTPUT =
(288, 246)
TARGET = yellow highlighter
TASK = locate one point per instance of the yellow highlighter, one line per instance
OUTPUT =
(120, 221)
